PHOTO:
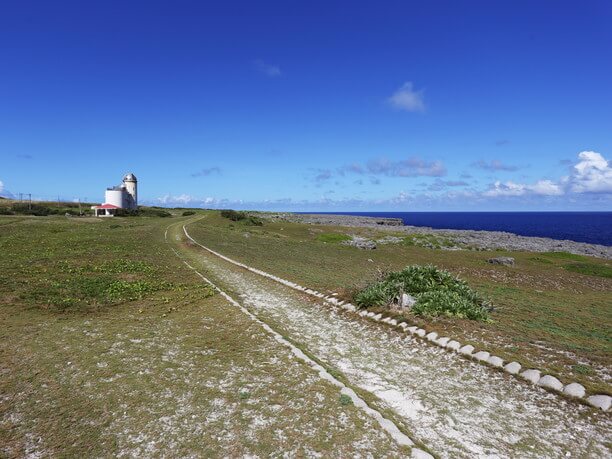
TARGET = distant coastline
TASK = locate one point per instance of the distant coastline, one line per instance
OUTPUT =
(587, 227)
(478, 239)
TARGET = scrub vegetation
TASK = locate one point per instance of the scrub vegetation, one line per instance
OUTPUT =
(49, 208)
(242, 217)
(437, 293)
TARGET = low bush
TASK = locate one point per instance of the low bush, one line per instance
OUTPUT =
(143, 212)
(243, 217)
(187, 213)
(448, 303)
(233, 215)
(437, 293)
(33, 209)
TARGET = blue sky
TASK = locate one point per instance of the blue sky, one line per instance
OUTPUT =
(318, 105)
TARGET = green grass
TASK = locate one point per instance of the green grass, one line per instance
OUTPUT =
(565, 256)
(110, 345)
(590, 269)
(333, 238)
(582, 369)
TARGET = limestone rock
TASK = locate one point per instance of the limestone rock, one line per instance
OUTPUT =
(417, 453)
(506, 261)
(413, 329)
(533, 376)
(443, 341)
(431, 336)
(453, 345)
(513, 368)
(420, 332)
(361, 243)
(407, 301)
(466, 350)
(495, 361)
(600, 401)
(377, 317)
(574, 390)
(390, 240)
(550, 382)
(482, 356)
(393, 322)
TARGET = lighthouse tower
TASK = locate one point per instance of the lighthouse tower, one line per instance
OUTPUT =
(131, 185)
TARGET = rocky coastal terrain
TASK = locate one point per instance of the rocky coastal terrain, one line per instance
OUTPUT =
(461, 238)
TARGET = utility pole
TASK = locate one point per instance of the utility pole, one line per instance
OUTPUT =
(80, 213)
(30, 198)
(20, 197)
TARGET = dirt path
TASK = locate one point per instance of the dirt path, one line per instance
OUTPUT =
(456, 407)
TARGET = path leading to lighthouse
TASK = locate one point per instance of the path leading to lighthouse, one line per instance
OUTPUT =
(456, 407)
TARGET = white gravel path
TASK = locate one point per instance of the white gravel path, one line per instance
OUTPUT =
(456, 407)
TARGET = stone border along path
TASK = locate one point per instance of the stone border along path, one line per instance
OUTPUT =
(573, 391)
(387, 425)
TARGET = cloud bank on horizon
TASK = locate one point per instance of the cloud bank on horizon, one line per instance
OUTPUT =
(591, 174)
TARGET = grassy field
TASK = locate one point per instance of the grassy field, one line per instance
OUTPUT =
(110, 346)
(551, 310)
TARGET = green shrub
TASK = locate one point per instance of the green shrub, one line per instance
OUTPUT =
(233, 215)
(33, 209)
(437, 292)
(445, 302)
(243, 217)
(333, 237)
(143, 212)
(187, 213)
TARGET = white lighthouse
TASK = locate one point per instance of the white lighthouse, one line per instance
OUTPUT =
(131, 186)
(122, 196)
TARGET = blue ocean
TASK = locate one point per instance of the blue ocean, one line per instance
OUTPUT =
(592, 227)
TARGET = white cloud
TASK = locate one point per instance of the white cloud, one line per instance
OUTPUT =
(546, 188)
(510, 188)
(411, 167)
(405, 98)
(1, 186)
(180, 199)
(592, 174)
(494, 166)
(267, 69)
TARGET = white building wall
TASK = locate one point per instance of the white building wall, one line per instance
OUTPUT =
(116, 198)
(130, 187)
